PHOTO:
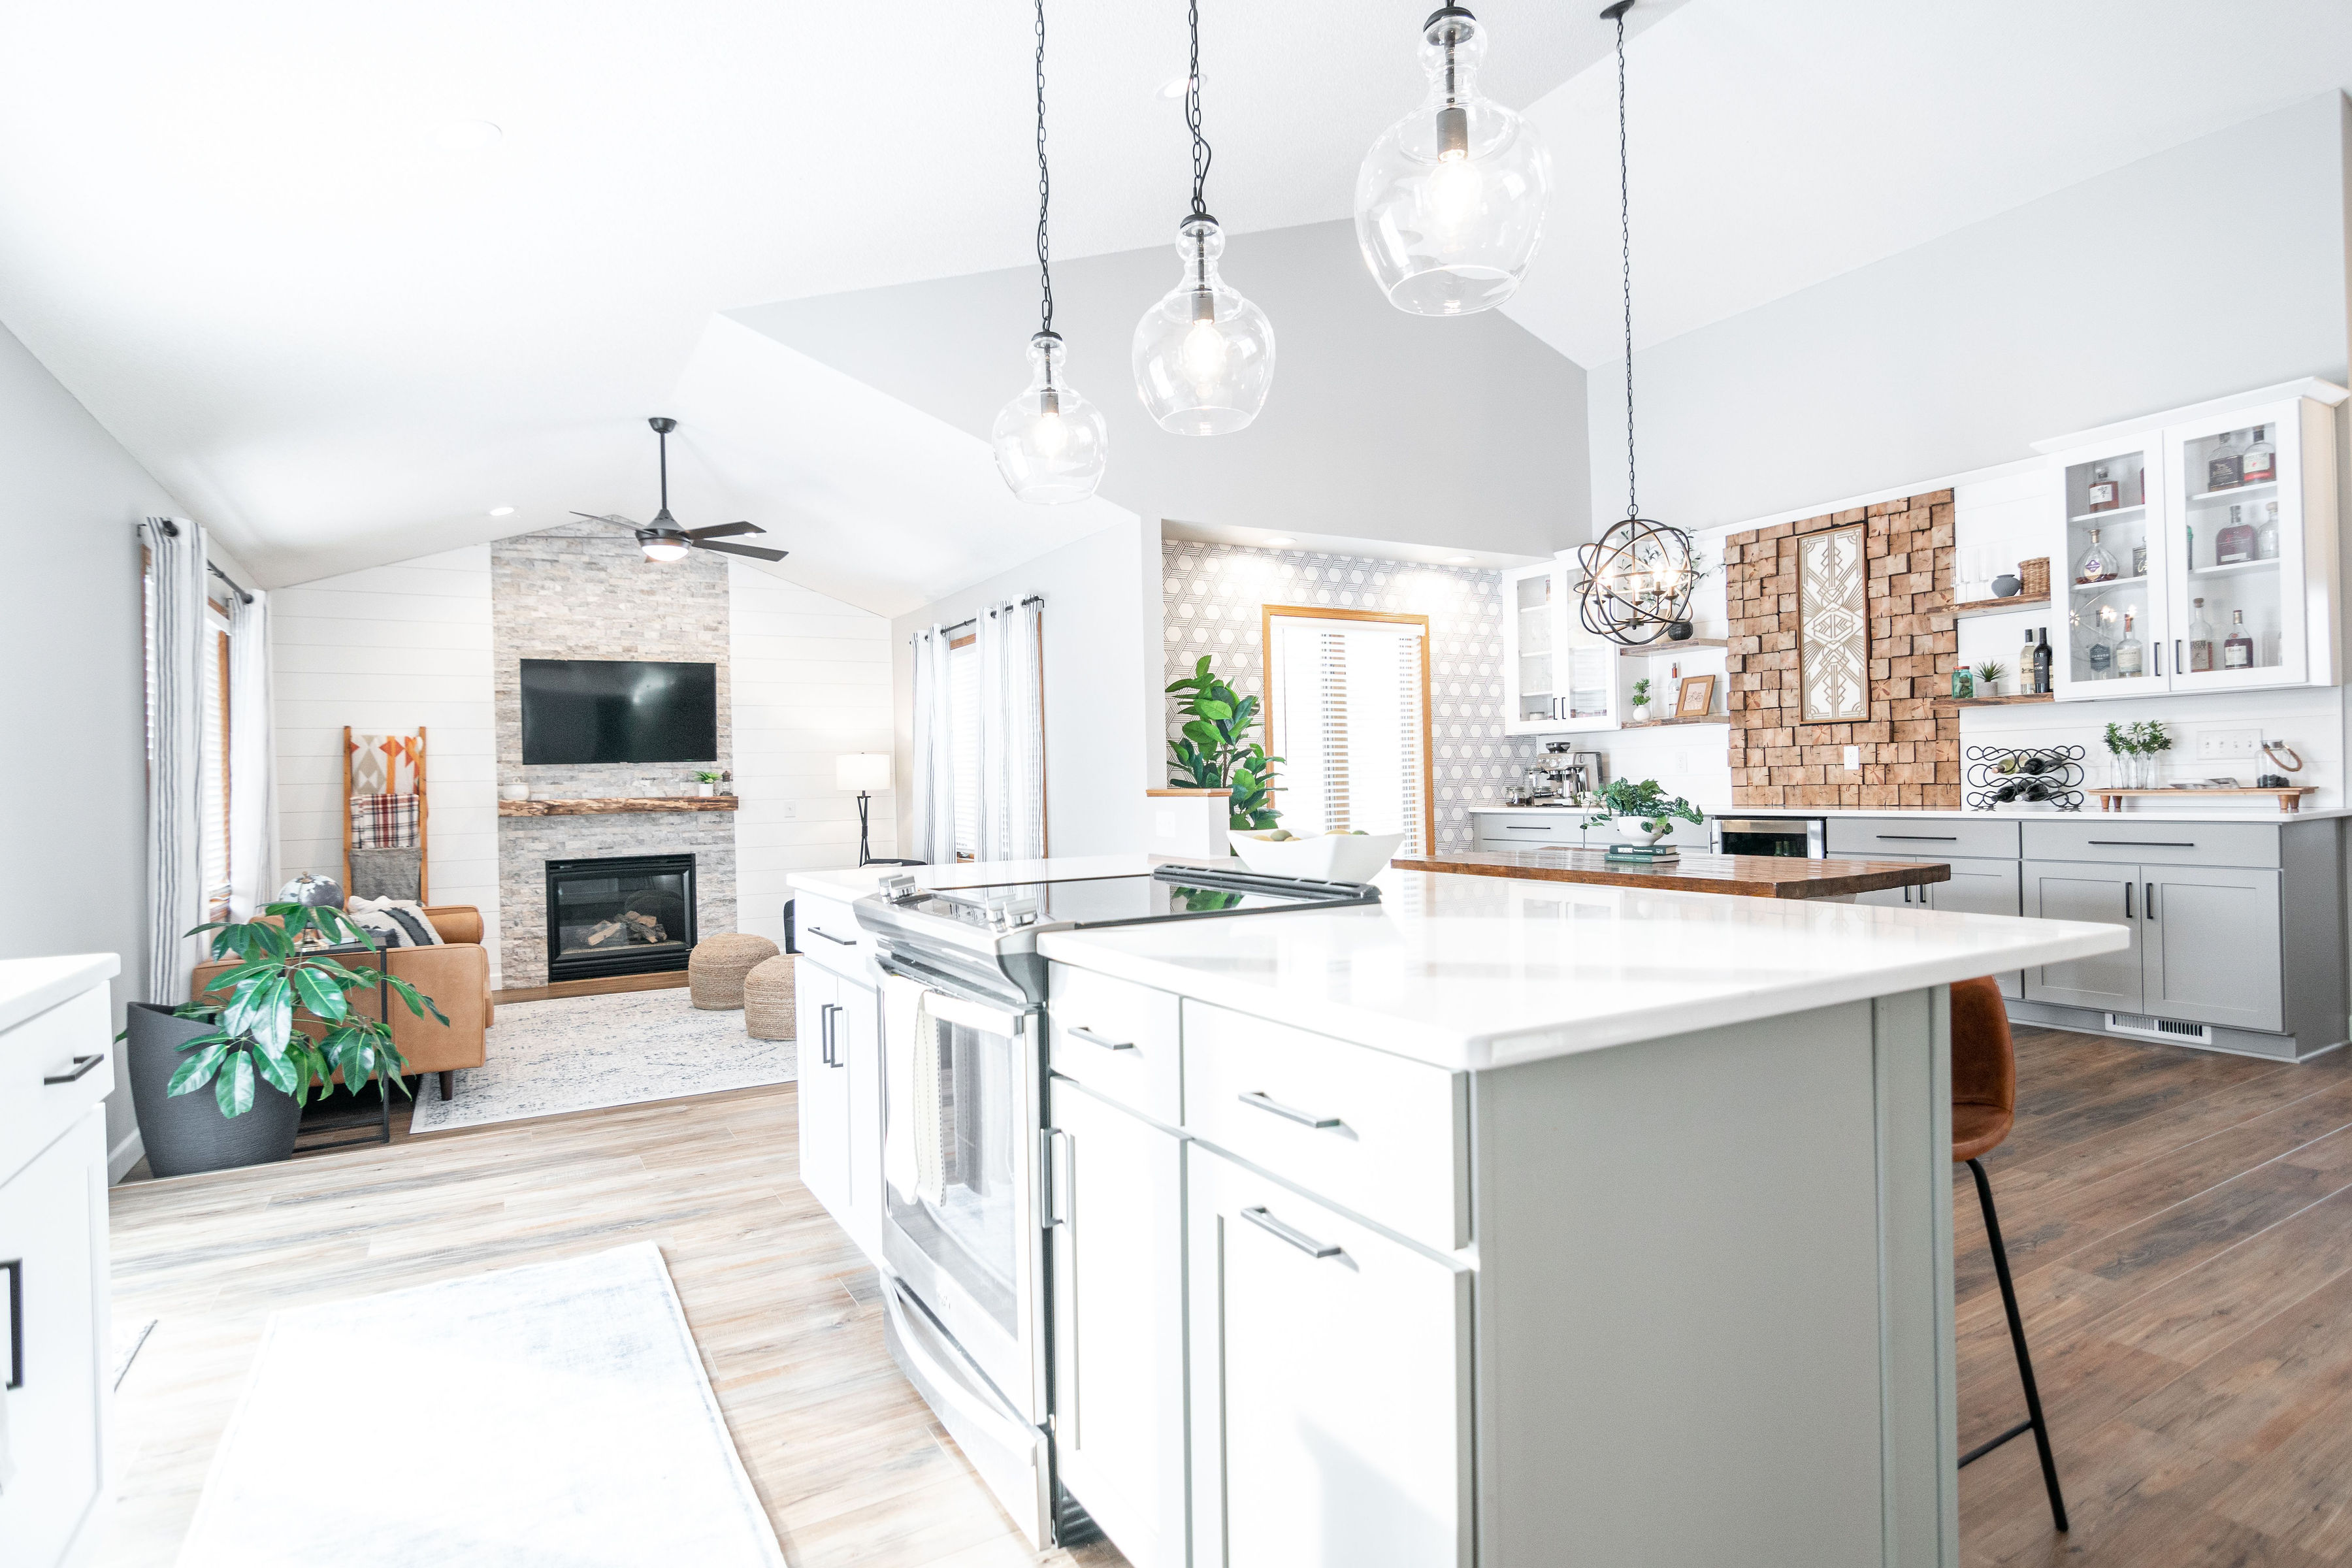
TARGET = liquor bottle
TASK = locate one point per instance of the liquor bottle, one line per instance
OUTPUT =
(2128, 653)
(2101, 655)
(2222, 470)
(2140, 561)
(2041, 664)
(2097, 565)
(2025, 665)
(2235, 543)
(2260, 459)
(2106, 494)
(2266, 538)
(2201, 639)
(2238, 652)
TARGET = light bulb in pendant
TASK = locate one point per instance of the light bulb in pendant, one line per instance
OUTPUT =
(1203, 356)
(1450, 201)
(1050, 442)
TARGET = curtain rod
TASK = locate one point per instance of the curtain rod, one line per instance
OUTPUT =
(171, 530)
(974, 620)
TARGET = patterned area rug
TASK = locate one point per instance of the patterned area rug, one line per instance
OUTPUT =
(584, 1053)
(569, 1422)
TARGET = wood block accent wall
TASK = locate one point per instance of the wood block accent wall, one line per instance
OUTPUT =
(1910, 751)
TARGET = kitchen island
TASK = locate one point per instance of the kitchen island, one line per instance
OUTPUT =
(1749, 876)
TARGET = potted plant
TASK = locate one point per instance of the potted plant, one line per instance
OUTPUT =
(2123, 757)
(1989, 676)
(2151, 741)
(1212, 752)
(1640, 813)
(708, 780)
(241, 1037)
(1642, 701)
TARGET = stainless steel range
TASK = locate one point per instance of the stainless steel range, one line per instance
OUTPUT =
(964, 1091)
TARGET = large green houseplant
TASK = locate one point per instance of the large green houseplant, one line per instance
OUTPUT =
(1213, 751)
(238, 1037)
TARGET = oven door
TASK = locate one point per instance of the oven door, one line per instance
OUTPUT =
(962, 1093)
(1794, 837)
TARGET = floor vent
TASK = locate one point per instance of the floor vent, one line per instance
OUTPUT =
(2159, 1028)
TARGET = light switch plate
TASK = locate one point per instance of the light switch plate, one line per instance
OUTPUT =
(1854, 756)
(2221, 745)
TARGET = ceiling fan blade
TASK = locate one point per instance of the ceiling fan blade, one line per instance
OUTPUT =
(723, 530)
(608, 517)
(753, 550)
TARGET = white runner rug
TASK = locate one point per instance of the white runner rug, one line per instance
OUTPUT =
(584, 1053)
(570, 1425)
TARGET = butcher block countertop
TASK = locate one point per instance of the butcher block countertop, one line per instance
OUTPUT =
(1750, 876)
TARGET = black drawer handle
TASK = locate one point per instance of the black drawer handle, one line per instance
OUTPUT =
(15, 1268)
(1925, 837)
(837, 940)
(1528, 826)
(81, 1066)
(2142, 843)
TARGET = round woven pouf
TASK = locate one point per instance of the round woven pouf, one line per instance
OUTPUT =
(768, 999)
(714, 974)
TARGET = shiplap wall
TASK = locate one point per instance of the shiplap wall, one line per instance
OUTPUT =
(385, 650)
(811, 681)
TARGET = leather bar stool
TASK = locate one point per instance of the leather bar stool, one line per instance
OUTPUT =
(1984, 1109)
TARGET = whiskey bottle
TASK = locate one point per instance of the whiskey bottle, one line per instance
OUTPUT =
(2201, 639)
(2129, 655)
(2238, 652)
(2236, 542)
(2106, 494)
(2266, 538)
(2260, 460)
(2041, 664)
(2222, 470)
(2097, 564)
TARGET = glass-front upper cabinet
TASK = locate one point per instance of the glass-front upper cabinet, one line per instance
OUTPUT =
(2105, 614)
(2238, 604)
(1558, 677)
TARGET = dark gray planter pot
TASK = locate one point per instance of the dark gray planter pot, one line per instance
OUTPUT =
(186, 1133)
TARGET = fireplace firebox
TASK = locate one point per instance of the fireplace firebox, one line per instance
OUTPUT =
(631, 914)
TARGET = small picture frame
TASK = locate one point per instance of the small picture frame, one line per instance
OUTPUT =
(1695, 698)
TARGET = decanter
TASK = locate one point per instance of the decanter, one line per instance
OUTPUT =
(2097, 565)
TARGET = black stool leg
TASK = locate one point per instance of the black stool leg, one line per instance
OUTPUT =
(2034, 1422)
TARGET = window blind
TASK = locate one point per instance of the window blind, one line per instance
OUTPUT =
(1347, 718)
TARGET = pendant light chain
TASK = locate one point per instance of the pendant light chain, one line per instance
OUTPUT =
(1045, 190)
(1201, 153)
(1625, 227)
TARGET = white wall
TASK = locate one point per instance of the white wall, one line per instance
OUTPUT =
(811, 681)
(1102, 683)
(385, 650)
(2196, 273)
(73, 795)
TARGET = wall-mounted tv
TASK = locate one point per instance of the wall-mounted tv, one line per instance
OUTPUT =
(619, 711)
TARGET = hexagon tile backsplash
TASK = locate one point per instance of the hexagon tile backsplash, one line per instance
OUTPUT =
(1212, 596)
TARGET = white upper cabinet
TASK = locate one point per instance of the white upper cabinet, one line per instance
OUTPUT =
(1558, 677)
(2199, 553)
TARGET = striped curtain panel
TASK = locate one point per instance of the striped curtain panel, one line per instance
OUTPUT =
(934, 774)
(175, 640)
(1011, 735)
(253, 760)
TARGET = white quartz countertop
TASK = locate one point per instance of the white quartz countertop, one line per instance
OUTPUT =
(29, 986)
(1471, 972)
(857, 881)
(2263, 810)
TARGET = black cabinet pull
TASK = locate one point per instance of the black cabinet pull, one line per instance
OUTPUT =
(2148, 903)
(81, 1066)
(2142, 843)
(1928, 837)
(2127, 912)
(15, 1268)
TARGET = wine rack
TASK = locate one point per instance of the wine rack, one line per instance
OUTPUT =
(2058, 769)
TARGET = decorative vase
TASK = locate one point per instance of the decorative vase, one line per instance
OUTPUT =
(1640, 712)
(514, 791)
(1640, 830)
(706, 790)
(2006, 586)
(186, 1133)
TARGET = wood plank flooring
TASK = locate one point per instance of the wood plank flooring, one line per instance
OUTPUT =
(2181, 1225)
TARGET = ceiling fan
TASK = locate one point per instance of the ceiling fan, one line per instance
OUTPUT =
(664, 540)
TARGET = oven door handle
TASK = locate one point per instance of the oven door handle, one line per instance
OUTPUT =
(975, 1015)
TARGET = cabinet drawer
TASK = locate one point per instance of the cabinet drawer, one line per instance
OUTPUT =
(1118, 1038)
(1500, 831)
(2120, 839)
(33, 1111)
(1369, 1131)
(1922, 838)
(827, 933)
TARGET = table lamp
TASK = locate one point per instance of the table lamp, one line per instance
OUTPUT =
(863, 772)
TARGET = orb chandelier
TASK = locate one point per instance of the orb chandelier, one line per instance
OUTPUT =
(1637, 577)
(1050, 442)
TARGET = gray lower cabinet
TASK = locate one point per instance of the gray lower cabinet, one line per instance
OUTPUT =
(1977, 887)
(2205, 941)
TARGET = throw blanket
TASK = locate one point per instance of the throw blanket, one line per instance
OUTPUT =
(384, 821)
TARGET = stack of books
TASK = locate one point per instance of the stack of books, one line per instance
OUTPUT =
(1642, 855)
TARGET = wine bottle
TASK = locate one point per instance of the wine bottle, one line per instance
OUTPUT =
(2025, 665)
(2238, 652)
(2041, 664)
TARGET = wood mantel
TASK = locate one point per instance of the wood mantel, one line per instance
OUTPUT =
(616, 805)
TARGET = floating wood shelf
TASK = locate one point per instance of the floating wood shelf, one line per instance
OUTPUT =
(1995, 701)
(2289, 800)
(1654, 723)
(1997, 607)
(616, 806)
(1657, 649)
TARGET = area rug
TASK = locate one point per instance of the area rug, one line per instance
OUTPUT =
(568, 1423)
(584, 1053)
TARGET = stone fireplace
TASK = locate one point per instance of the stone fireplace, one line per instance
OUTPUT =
(619, 914)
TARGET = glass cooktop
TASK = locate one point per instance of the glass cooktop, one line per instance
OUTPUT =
(1170, 893)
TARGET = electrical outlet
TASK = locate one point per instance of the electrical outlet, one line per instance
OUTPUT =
(792, 810)
(1853, 757)
(2223, 745)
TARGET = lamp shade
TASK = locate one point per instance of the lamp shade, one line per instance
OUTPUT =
(862, 771)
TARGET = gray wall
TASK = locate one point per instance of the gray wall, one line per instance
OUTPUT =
(73, 795)
(1467, 433)
(2211, 269)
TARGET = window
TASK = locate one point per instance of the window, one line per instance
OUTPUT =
(213, 783)
(1347, 698)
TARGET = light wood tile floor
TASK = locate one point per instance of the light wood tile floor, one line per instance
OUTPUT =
(2181, 1226)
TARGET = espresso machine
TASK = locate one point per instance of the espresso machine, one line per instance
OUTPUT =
(1565, 775)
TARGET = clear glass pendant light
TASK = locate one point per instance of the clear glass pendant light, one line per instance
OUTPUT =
(1203, 356)
(1450, 201)
(1050, 443)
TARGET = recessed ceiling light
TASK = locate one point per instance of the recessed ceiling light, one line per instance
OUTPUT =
(1173, 87)
(502, 511)
(1282, 542)
(466, 135)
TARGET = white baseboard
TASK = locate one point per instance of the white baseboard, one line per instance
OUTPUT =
(124, 1155)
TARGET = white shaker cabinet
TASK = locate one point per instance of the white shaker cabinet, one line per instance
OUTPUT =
(1558, 677)
(55, 1067)
(1119, 1323)
(1331, 1385)
(840, 1044)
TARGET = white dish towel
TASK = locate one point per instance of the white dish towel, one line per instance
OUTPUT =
(913, 1141)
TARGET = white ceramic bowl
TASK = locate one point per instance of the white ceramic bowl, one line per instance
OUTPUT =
(1331, 857)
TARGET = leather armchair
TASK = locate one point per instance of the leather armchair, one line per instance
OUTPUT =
(456, 975)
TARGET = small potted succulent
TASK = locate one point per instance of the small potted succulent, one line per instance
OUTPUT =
(708, 780)
(1989, 678)
(1642, 701)
(1641, 814)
